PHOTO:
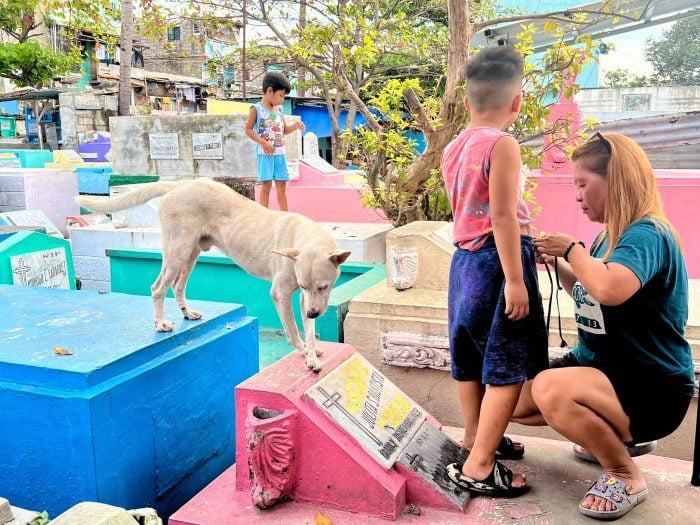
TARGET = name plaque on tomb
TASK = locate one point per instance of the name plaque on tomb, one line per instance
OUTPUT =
(207, 146)
(319, 164)
(428, 454)
(163, 146)
(42, 269)
(369, 407)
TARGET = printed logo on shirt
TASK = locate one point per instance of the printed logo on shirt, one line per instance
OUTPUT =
(588, 314)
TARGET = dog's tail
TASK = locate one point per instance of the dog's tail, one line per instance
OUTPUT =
(144, 193)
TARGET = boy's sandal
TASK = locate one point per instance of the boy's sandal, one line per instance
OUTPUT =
(498, 484)
(634, 450)
(507, 449)
(610, 489)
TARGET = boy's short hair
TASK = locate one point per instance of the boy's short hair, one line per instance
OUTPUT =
(276, 81)
(494, 77)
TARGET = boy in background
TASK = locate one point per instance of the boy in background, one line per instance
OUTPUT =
(496, 323)
(266, 127)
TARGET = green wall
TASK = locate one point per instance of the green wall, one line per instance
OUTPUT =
(217, 278)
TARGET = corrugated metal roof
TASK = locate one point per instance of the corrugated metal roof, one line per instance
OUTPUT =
(661, 131)
(670, 141)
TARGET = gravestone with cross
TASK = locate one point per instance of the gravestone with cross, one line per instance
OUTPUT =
(30, 258)
(357, 442)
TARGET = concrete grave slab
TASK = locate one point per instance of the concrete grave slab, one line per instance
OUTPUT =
(358, 422)
(32, 259)
(48, 190)
(111, 410)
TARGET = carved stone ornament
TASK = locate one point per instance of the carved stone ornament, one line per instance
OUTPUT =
(415, 350)
(404, 267)
(271, 439)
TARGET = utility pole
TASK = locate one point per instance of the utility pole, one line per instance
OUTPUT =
(244, 68)
(301, 91)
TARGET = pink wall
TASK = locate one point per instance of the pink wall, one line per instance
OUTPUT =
(680, 191)
(340, 203)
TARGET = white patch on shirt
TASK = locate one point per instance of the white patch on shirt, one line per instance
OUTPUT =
(589, 315)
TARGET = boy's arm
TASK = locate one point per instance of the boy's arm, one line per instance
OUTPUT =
(504, 186)
(291, 128)
(250, 132)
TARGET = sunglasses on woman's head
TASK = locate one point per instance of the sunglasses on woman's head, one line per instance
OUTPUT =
(599, 136)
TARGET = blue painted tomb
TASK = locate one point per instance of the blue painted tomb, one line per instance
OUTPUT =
(95, 405)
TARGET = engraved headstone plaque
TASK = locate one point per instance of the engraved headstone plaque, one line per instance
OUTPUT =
(163, 146)
(31, 218)
(207, 146)
(310, 145)
(51, 135)
(292, 141)
(70, 155)
(43, 269)
(428, 454)
(319, 164)
(369, 407)
(9, 161)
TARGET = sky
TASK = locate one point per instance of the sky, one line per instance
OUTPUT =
(629, 47)
(629, 50)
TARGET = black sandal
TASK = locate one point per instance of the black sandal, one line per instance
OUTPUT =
(506, 449)
(498, 484)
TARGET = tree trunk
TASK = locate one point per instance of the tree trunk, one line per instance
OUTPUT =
(127, 36)
(452, 115)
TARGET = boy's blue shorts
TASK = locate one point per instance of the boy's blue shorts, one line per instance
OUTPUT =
(272, 167)
(485, 345)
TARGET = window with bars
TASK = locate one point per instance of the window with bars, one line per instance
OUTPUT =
(173, 33)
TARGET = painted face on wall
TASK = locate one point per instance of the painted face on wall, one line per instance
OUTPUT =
(591, 192)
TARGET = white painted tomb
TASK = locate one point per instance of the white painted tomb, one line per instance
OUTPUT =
(48, 190)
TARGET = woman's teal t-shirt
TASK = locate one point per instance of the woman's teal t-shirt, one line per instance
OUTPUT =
(646, 332)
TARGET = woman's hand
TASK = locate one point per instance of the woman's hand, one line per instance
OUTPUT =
(553, 244)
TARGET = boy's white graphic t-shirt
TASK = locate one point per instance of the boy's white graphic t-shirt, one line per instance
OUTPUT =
(269, 125)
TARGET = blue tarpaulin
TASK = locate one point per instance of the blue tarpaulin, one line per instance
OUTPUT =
(316, 119)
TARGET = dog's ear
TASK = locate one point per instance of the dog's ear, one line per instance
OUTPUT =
(338, 257)
(292, 253)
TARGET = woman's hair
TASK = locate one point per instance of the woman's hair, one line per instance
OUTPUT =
(632, 190)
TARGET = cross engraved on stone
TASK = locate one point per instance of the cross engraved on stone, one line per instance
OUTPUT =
(332, 401)
(22, 270)
(416, 462)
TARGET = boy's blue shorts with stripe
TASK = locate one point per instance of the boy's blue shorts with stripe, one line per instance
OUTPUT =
(485, 345)
(272, 167)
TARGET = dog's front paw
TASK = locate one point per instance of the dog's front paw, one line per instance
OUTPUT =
(191, 315)
(313, 362)
(163, 325)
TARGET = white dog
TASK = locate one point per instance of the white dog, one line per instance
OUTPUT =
(198, 214)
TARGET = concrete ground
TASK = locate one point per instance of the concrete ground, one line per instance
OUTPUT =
(558, 481)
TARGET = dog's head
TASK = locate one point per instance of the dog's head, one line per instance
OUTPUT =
(316, 270)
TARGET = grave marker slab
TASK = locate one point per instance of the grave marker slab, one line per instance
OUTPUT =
(369, 408)
(33, 259)
(164, 145)
(207, 146)
(45, 269)
(31, 218)
(344, 419)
